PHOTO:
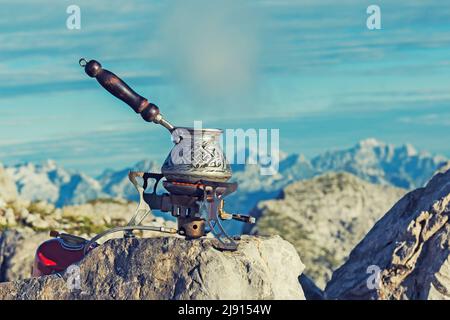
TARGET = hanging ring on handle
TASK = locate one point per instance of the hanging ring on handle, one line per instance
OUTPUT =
(82, 62)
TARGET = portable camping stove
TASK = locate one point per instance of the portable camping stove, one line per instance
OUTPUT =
(198, 207)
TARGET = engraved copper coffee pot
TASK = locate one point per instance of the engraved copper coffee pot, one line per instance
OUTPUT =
(195, 173)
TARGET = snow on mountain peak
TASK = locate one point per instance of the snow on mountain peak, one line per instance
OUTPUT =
(370, 143)
(409, 150)
(50, 164)
(49, 182)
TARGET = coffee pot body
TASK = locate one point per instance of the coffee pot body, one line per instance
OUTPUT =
(197, 155)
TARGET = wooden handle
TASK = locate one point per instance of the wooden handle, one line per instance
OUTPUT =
(121, 90)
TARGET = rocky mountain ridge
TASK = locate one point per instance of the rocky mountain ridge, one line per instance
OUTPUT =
(370, 160)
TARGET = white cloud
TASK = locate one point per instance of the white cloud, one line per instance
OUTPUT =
(431, 119)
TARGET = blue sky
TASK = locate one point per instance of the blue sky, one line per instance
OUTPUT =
(310, 68)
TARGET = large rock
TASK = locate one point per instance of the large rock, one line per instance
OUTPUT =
(410, 248)
(174, 268)
(324, 218)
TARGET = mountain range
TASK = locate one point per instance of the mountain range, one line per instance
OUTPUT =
(371, 160)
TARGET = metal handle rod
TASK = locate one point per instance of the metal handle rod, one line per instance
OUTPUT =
(121, 90)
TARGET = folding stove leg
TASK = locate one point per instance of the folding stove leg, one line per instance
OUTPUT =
(143, 209)
(223, 240)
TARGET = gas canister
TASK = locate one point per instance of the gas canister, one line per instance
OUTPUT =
(57, 254)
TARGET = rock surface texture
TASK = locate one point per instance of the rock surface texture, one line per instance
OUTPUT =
(410, 245)
(173, 268)
(324, 218)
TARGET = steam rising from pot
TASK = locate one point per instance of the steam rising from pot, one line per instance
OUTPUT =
(212, 47)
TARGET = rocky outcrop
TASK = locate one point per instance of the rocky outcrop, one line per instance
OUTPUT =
(406, 254)
(173, 268)
(324, 218)
(443, 168)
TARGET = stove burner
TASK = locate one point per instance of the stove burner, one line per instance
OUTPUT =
(198, 207)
